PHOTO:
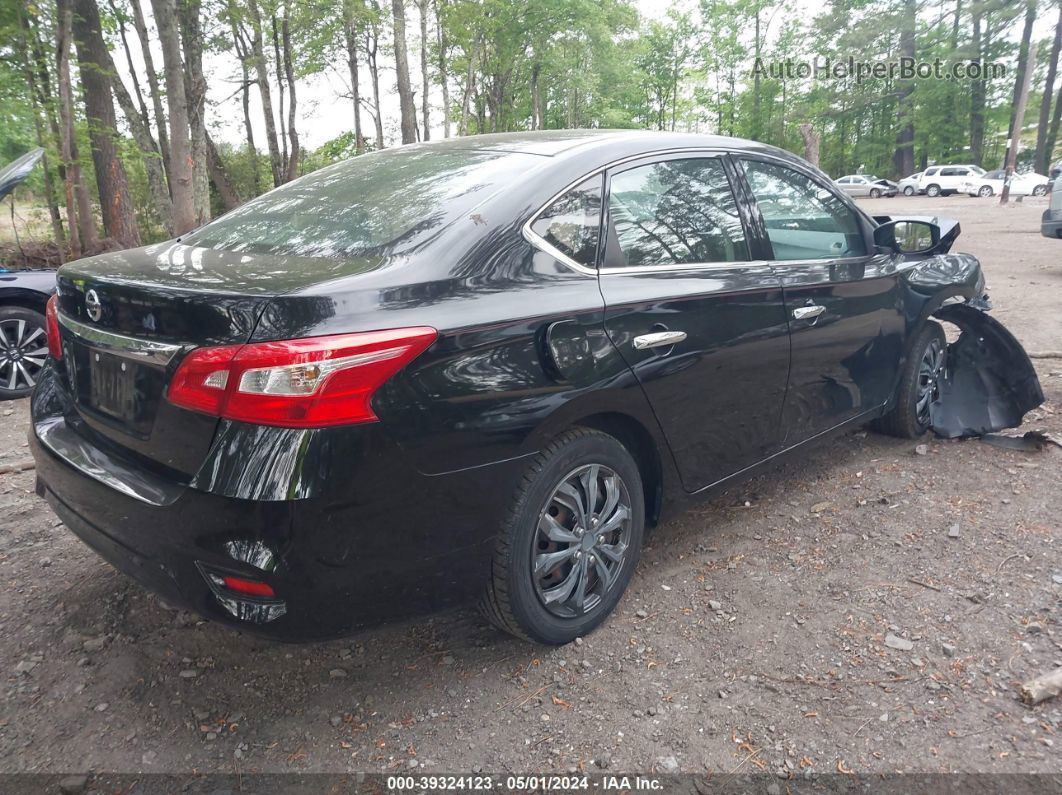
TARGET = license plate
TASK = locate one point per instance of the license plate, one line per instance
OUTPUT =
(111, 384)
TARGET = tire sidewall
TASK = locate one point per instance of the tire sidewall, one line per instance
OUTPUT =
(526, 606)
(933, 191)
(928, 333)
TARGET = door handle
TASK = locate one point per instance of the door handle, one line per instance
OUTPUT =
(808, 312)
(658, 339)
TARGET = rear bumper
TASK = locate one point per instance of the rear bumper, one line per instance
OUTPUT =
(358, 557)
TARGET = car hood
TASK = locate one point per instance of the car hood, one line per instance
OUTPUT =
(14, 173)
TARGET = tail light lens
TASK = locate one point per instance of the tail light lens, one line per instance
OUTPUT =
(51, 316)
(304, 383)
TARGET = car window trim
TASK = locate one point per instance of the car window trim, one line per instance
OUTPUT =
(538, 242)
(866, 223)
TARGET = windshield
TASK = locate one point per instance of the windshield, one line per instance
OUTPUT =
(383, 201)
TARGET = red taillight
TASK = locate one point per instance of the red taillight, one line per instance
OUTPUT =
(51, 315)
(250, 587)
(305, 383)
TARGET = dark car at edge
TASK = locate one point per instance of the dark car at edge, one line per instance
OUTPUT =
(482, 368)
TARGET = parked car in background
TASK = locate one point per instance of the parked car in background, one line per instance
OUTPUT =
(945, 180)
(1051, 224)
(908, 186)
(866, 185)
(481, 367)
(989, 184)
(1053, 174)
(23, 296)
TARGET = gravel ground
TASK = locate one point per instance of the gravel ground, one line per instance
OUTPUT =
(871, 607)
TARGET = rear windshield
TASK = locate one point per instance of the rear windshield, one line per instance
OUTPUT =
(376, 203)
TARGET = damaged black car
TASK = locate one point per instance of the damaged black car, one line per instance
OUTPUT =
(481, 368)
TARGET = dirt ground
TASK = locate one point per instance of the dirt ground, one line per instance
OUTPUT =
(752, 638)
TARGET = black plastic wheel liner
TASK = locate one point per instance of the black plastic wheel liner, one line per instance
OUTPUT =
(990, 382)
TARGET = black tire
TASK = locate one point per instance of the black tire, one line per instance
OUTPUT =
(985, 190)
(19, 337)
(905, 420)
(875, 193)
(908, 191)
(932, 190)
(513, 600)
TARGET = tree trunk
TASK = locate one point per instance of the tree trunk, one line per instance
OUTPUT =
(119, 217)
(181, 187)
(230, 198)
(279, 61)
(536, 97)
(903, 157)
(262, 74)
(160, 194)
(350, 34)
(242, 51)
(1043, 154)
(195, 88)
(469, 83)
(39, 79)
(79, 220)
(405, 92)
(441, 29)
(153, 84)
(289, 73)
(977, 92)
(1022, 94)
(425, 105)
(372, 46)
(1026, 57)
(811, 143)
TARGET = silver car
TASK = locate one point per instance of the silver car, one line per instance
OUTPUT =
(866, 185)
(908, 186)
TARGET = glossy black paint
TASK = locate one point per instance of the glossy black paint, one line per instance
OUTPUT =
(29, 289)
(371, 522)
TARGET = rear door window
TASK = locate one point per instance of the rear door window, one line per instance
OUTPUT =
(674, 212)
(572, 223)
(804, 219)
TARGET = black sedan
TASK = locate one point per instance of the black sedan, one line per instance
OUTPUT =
(483, 367)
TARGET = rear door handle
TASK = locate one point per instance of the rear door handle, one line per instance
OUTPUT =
(808, 312)
(658, 339)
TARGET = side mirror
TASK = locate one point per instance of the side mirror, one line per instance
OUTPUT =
(907, 237)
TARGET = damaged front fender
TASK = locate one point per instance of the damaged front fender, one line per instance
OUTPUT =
(989, 382)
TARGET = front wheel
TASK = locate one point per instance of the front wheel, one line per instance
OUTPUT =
(908, 191)
(986, 190)
(1040, 190)
(571, 541)
(919, 386)
(875, 193)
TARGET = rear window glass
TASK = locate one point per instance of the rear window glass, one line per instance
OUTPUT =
(376, 203)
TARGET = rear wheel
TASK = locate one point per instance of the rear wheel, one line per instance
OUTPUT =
(986, 190)
(932, 190)
(919, 386)
(908, 191)
(23, 349)
(571, 541)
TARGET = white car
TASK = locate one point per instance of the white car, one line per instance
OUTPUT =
(908, 186)
(944, 180)
(1030, 184)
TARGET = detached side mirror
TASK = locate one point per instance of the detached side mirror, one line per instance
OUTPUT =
(907, 237)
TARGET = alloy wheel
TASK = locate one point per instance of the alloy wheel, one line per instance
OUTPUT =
(1040, 190)
(582, 541)
(986, 190)
(23, 348)
(930, 370)
(908, 191)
